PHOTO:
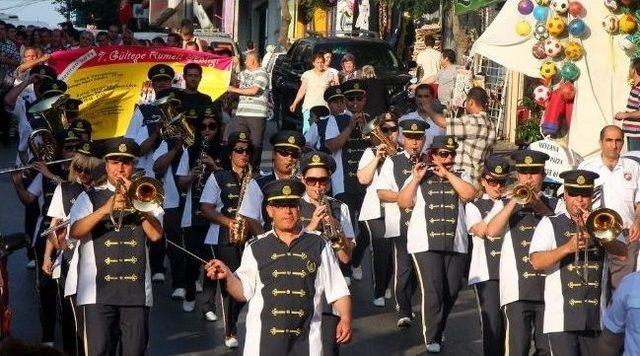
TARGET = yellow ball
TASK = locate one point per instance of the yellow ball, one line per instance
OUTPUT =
(548, 70)
(543, 2)
(556, 26)
(523, 28)
(627, 23)
(573, 50)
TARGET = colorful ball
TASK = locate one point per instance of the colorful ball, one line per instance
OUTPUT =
(612, 5)
(577, 27)
(627, 23)
(626, 43)
(575, 8)
(610, 24)
(540, 32)
(556, 26)
(569, 71)
(573, 50)
(540, 13)
(525, 7)
(523, 28)
(628, 2)
(567, 91)
(541, 93)
(548, 69)
(560, 6)
(543, 2)
(538, 50)
(552, 47)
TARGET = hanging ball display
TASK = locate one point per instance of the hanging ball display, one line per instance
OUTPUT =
(525, 7)
(540, 32)
(610, 24)
(560, 6)
(548, 70)
(523, 28)
(573, 50)
(612, 5)
(626, 43)
(577, 27)
(540, 13)
(635, 38)
(567, 91)
(543, 2)
(569, 71)
(538, 50)
(556, 26)
(627, 23)
(628, 2)
(552, 47)
(575, 8)
(541, 93)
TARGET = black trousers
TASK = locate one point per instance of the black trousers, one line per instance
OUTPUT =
(209, 287)
(177, 260)
(404, 280)
(330, 347)
(106, 325)
(491, 319)
(574, 343)
(354, 202)
(194, 242)
(522, 319)
(381, 256)
(440, 276)
(31, 214)
(47, 290)
(70, 319)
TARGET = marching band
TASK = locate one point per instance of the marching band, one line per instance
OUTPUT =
(286, 245)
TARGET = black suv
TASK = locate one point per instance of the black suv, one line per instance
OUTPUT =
(289, 68)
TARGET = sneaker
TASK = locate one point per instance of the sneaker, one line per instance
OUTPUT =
(48, 343)
(387, 293)
(231, 342)
(357, 273)
(31, 264)
(210, 316)
(405, 322)
(347, 280)
(198, 287)
(157, 277)
(433, 347)
(379, 302)
(178, 293)
(188, 306)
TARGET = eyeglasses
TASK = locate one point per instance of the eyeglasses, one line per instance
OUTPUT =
(211, 126)
(79, 169)
(445, 154)
(241, 151)
(579, 194)
(389, 129)
(69, 148)
(492, 182)
(355, 98)
(283, 205)
(288, 153)
(312, 181)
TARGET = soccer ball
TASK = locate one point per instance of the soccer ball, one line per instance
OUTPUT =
(541, 93)
(538, 50)
(556, 26)
(540, 32)
(552, 47)
(543, 2)
(610, 24)
(548, 69)
(627, 23)
(573, 50)
(612, 5)
(560, 6)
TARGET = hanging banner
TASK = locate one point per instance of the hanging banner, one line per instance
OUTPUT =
(110, 81)
(464, 6)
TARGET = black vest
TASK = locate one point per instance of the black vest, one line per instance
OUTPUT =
(288, 274)
(351, 153)
(307, 209)
(70, 192)
(581, 301)
(195, 152)
(262, 181)
(322, 135)
(522, 224)
(229, 193)
(120, 257)
(402, 169)
(48, 189)
(440, 212)
(493, 246)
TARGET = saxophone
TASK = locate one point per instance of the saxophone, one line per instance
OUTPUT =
(238, 235)
(331, 231)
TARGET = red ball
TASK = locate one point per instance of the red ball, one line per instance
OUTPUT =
(628, 2)
(575, 8)
(567, 91)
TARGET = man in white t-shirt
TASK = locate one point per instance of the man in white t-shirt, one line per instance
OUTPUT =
(429, 59)
(425, 99)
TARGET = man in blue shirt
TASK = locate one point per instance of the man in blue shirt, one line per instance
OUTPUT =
(622, 319)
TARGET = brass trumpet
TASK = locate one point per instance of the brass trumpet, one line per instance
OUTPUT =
(523, 194)
(373, 130)
(145, 194)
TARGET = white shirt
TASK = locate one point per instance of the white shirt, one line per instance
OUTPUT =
(251, 206)
(344, 219)
(87, 271)
(20, 112)
(135, 124)
(544, 239)
(429, 60)
(312, 136)
(56, 210)
(371, 208)
(387, 181)
(337, 178)
(478, 269)
(417, 240)
(432, 131)
(171, 194)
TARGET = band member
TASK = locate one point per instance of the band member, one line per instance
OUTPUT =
(221, 197)
(190, 96)
(346, 141)
(318, 113)
(81, 179)
(42, 190)
(204, 158)
(485, 257)
(394, 173)
(287, 148)
(71, 111)
(283, 275)
(521, 287)
(114, 279)
(83, 129)
(426, 98)
(440, 259)
(370, 220)
(317, 134)
(564, 247)
(161, 77)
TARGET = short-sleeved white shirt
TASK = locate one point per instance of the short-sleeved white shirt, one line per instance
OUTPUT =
(316, 85)
(371, 208)
(478, 269)
(344, 219)
(337, 178)
(386, 181)
(432, 131)
(171, 194)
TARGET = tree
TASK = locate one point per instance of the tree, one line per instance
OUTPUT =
(284, 24)
(101, 13)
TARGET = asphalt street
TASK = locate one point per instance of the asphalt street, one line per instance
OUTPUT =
(174, 332)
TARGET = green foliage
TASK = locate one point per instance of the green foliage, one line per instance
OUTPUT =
(101, 13)
(528, 129)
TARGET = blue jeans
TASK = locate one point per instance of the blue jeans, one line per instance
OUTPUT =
(306, 116)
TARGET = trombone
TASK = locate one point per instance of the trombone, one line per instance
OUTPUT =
(145, 194)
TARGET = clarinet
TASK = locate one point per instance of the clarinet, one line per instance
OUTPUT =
(199, 187)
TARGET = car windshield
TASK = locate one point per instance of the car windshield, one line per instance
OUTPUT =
(376, 54)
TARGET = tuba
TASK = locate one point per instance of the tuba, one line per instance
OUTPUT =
(373, 129)
(175, 124)
(51, 111)
(43, 145)
(145, 194)
(238, 235)
(331, 231)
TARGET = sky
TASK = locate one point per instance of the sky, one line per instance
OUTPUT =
(32, 10)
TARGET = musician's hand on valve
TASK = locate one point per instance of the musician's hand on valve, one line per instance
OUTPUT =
(381, 151)
(440, 170)
(318, 216)
(576, 243)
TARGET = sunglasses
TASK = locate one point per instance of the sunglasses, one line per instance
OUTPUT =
(355, 98)
(492, 182)
(287, 153)
(445, 154)
(241, 151)
(69, 148)
(579, 194)
(389, 129)
(312, 181)
(79, 169)
(210, 126)
(282, 205)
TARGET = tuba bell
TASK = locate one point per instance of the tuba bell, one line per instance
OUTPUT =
(373, 130)
(175, 124)
(51, 111)
(604, 225)
(43, 145)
